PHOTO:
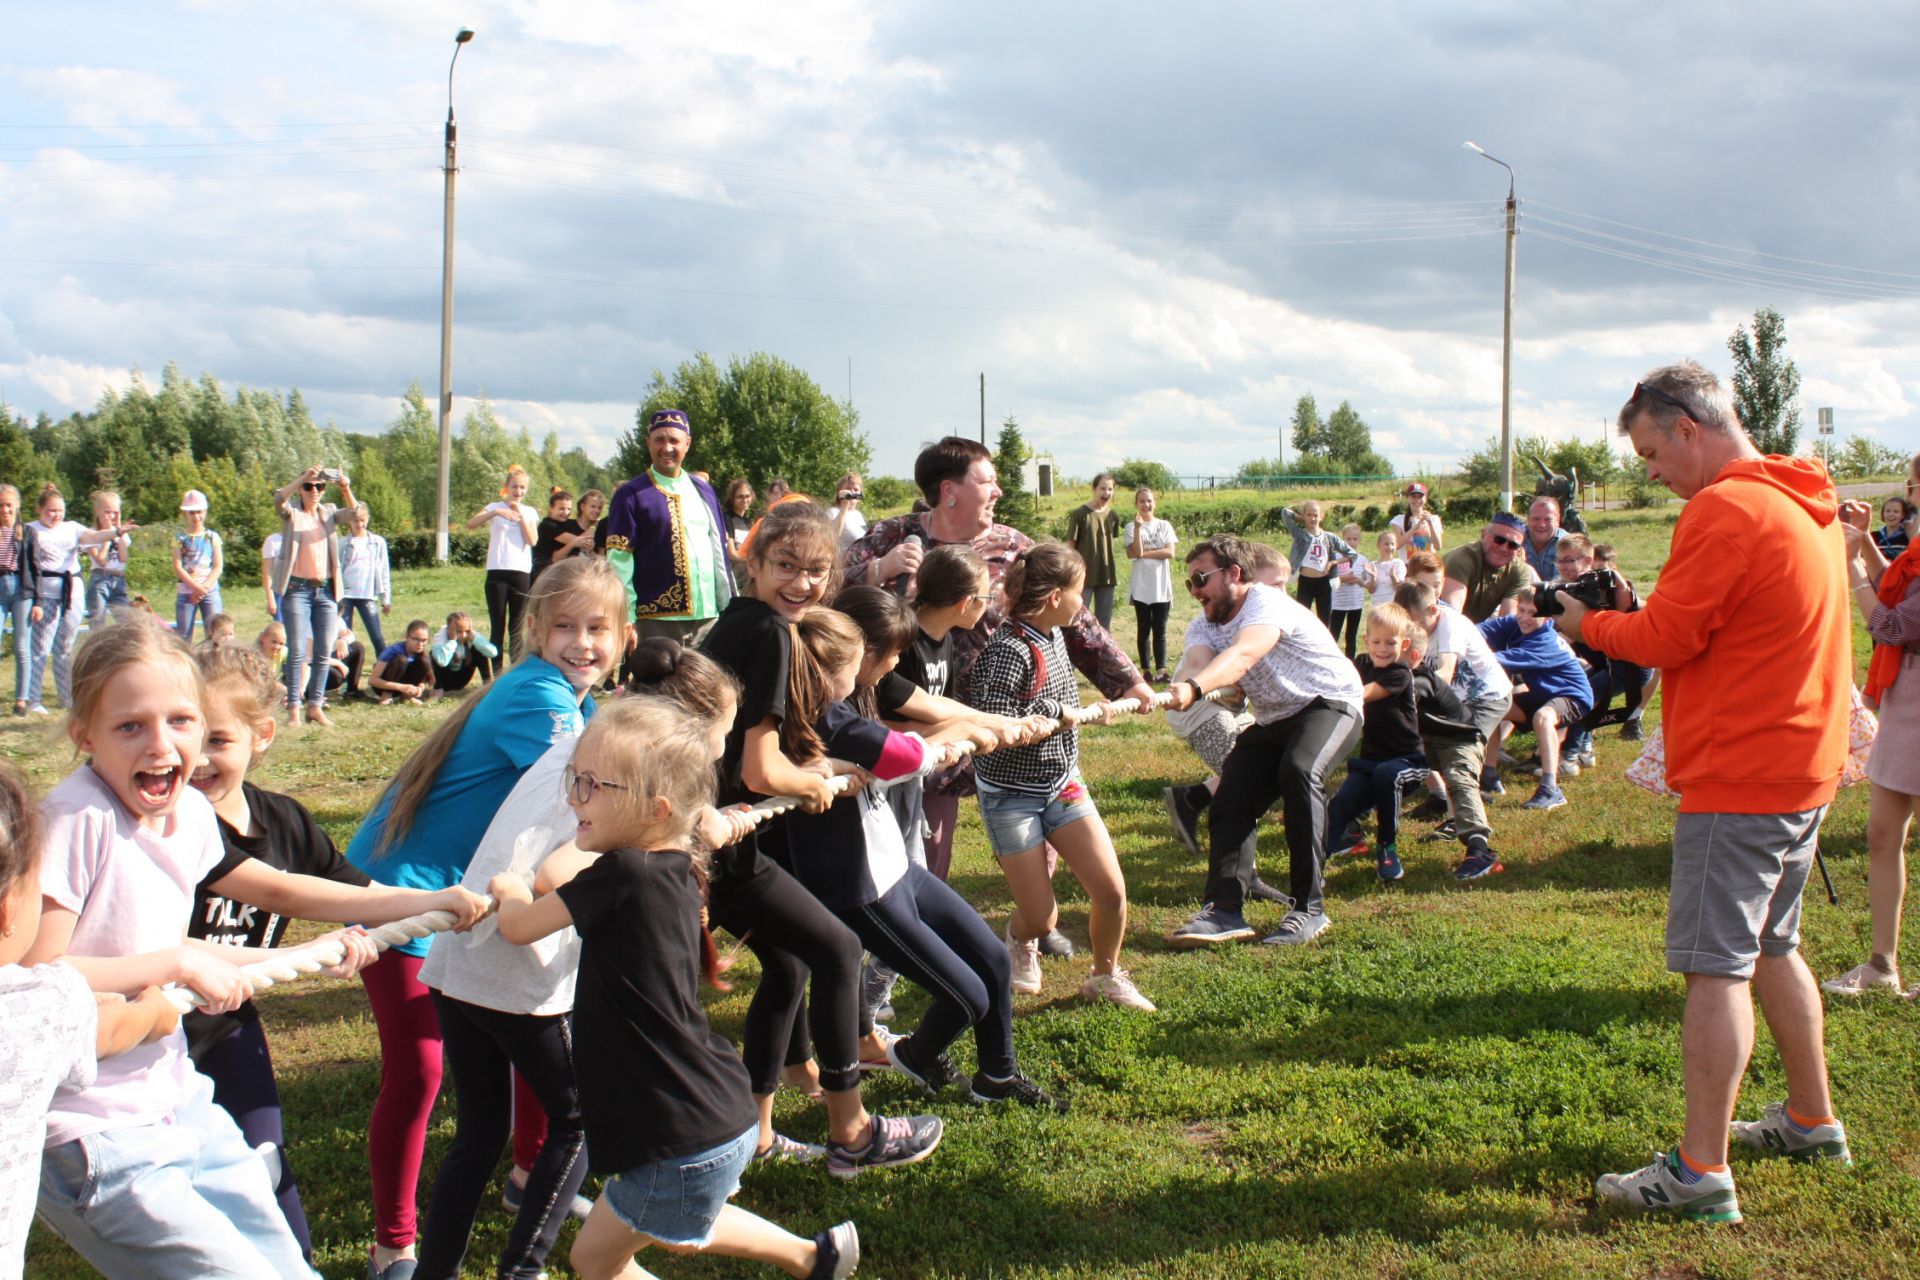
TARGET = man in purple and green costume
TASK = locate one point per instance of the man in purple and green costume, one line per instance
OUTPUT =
(666, 539)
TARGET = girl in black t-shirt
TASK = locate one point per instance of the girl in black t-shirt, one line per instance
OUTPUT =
(559, 522)
(250, 897)
(853, 858)
(670, 1116)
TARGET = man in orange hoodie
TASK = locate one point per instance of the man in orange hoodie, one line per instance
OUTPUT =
(1749, 623)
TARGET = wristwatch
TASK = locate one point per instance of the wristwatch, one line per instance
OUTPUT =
(1198, 692)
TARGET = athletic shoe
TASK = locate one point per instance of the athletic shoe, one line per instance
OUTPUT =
(1354, 847)
(785, 1150)
(1387, 863)
(885, 1012)
(1658, 1188)
(1296, 928)
(1512, 761)
(933, 1076)
(1478, 863)
(1776, 1135)
(1630, 730)
(1017, 1089)
(837, 1253)
(37, 710)
(1185, 817)
(881, 1063)
(1585, 757)
(512, 1195)
(1211, 925)
(1447, 830)
(1055, 945)
(1546, 796)
(1490, 784)
(1117, 987)
(891, 1142)
(1026, 962)
(1260, 891)
(1861, 979)
(1569, 766)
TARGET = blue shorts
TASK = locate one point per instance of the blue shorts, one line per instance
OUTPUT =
(1017, 821)
(677, 1201)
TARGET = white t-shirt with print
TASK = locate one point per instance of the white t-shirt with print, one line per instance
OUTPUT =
(1478, 675)
(1387, 577)
(1304, 664)
(132, 890)
(507, 546)
(1351, 595)
(1152, 579)
(49, 1016)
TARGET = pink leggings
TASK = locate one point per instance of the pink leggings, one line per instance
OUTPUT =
(409, 1082)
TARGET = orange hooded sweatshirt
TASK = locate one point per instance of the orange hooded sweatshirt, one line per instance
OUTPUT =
(1749, 622)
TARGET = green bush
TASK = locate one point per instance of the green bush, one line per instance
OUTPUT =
(414, 549)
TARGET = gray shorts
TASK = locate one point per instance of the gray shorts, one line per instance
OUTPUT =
(1737, 879)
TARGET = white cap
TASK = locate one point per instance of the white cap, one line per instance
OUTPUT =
(194, 501)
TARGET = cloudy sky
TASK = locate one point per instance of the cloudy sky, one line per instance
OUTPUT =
(1152, 227)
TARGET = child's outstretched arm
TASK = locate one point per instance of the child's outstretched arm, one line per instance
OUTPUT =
(524, 918)
(123, 1024)
(211, 972)
(317, 898)
(561, 866)
(766, 769)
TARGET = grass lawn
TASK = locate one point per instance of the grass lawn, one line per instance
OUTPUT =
(1427, 1093)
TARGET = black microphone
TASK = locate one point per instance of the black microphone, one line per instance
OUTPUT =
(900, 583)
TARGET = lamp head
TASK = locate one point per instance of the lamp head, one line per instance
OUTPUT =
(465, 34)
(1473, 147)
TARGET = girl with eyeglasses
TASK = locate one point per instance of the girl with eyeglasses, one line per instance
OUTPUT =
(422, 832)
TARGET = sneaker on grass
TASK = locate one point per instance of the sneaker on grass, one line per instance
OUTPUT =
(836, 1253)
(1569, 766)
(1387, 863)
(891, 1142)
(1861, 979)
(1585, 757)
(1777, 1135)
(1349, 847)
(1546, 796)
(1184, 814)
(881, 1062)
(1630, 730)
(1026, 962)
(513, 1194)
(931, 1076)
(1478, 863)
(1018, 1089)
(1447, 830)
(785, 1150)
(1297, 928)
(1055, 945)
(1659, 1188)
(1117, 987)
(1490, 784)
(1209, 926)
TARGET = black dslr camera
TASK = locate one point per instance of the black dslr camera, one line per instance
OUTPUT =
(1594, 589)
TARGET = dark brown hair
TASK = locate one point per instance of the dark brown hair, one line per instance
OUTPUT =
(825, 641)
(1040, 570)
(887, 624)
(946, 459)
(1229, 550)
(949, 575)
(803, 525)
(19, 830)
(663, 667)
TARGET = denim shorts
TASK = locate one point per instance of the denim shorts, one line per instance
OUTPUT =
(1017, 821)
(677, 1201)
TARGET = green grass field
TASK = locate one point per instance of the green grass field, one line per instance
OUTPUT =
(1428, 1093)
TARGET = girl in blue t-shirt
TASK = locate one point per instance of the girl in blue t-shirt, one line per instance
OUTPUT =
(422, 832)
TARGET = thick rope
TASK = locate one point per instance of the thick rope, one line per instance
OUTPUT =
(293, 963)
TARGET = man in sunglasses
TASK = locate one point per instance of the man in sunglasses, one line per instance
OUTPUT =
(1485, 577)
(1750, 625)
(1305, 698)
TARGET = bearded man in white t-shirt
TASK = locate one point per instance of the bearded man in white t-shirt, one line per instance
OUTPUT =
(1305, 698)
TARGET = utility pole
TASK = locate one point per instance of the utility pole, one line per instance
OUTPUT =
(1506, 337)
(983, 408)
(449, 168)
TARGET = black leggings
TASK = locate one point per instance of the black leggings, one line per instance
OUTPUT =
(930, 933)
(1150, 623)
(1347, 620)
(791, 934)
(506, 603)
(484, 1047)
(448, 679)
(242, 1073)
(1317, 595)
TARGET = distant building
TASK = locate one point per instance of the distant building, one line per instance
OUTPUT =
(1036, 477)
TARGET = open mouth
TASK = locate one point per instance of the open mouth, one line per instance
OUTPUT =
(204, 778)
(157, 786)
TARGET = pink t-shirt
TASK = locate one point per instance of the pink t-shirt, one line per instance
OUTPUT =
(132, 890)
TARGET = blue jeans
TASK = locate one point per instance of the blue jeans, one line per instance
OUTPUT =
(369, 611)
(16, 606)
(183, 1198)
(309, 613)
(105, 591)
(185, 611)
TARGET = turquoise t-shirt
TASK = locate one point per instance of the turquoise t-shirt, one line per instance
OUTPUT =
(527, 710)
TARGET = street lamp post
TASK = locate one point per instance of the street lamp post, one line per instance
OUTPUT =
(1506, 338)
(449, 168)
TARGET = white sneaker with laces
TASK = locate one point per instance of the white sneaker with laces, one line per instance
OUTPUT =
(1658, 1188)
(1861, 979)
(1026, 962)
(1118, 987)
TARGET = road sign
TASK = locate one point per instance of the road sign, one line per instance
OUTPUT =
(1826, 421)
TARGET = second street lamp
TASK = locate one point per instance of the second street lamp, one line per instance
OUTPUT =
(1506, 338)
(446, 317)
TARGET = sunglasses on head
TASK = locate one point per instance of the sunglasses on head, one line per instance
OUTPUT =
(1641, 389)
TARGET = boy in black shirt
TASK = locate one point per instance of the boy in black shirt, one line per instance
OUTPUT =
(1390, 758)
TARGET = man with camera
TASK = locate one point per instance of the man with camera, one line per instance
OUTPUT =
(1750, 625)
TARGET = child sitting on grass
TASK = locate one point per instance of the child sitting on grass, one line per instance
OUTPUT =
(405, 673)
(1550, 690)
(1390, 757)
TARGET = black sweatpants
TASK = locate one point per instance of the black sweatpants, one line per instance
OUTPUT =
(506, 603)
(1150, 627)
(1317, 595)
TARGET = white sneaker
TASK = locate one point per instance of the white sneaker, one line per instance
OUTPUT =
(1861, 979)
(1776, 1135)
(1026, 962)
(1117, 987)
(1658, 1189)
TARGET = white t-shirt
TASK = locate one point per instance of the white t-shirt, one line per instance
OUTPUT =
(58, 547)
(1399, 523)
(270, 549)
(1478, 675)
(1152, 579)
(507, 545)
(853, 527)
(1304, 664)
(1387, 577)
(132, 890)
(1351, 595)
(49, 1016)
(480, 967)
